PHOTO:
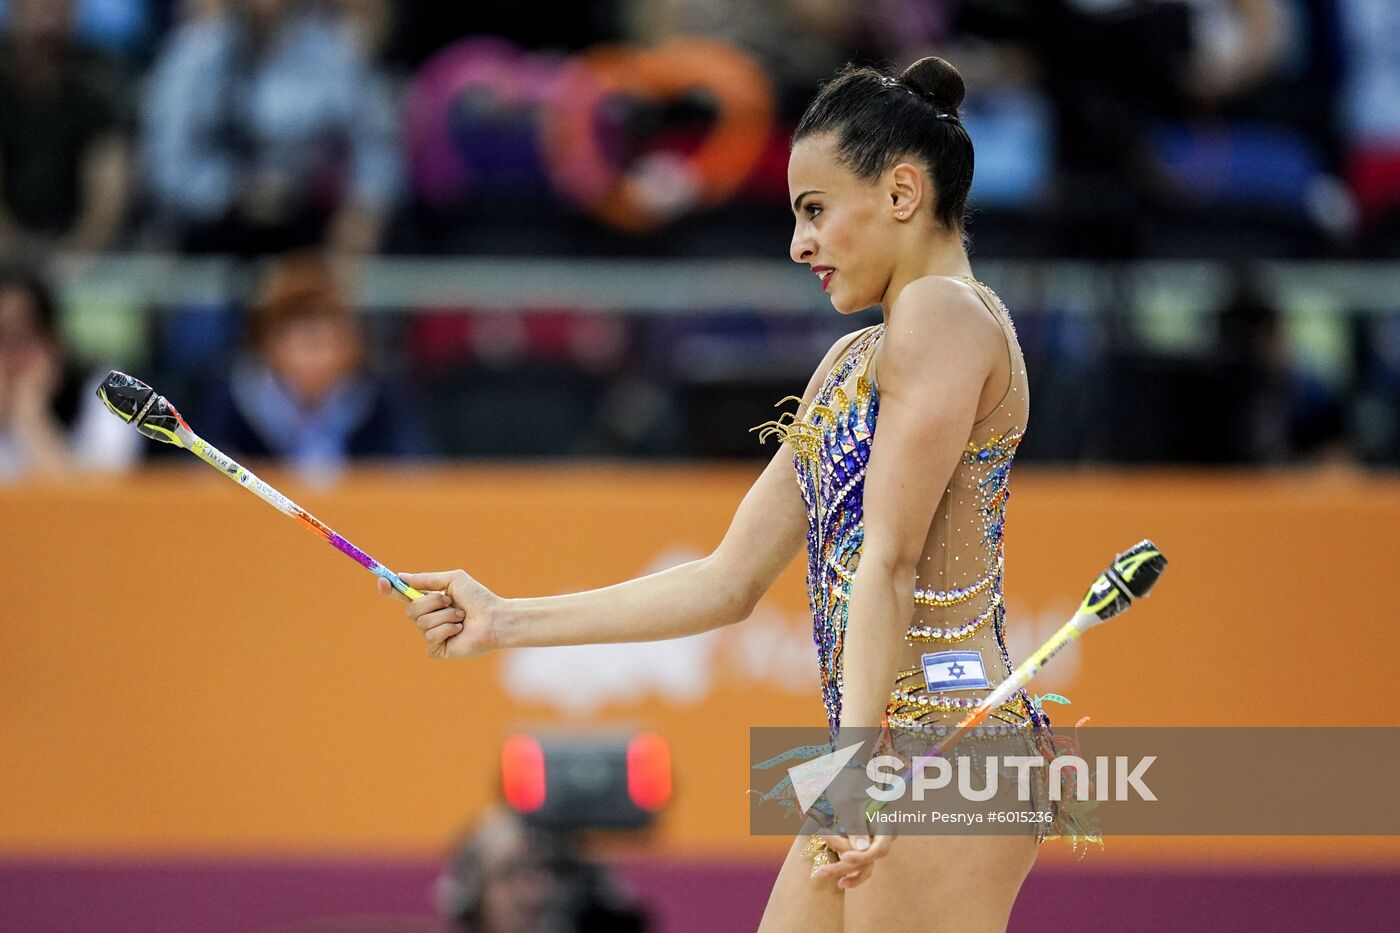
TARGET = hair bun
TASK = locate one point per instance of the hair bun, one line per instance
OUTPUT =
(937, 81)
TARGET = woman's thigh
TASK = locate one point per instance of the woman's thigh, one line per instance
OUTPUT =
(956, 883)
(800, 902)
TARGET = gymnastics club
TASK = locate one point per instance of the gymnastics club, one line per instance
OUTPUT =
(1130, 577)
(138, 404)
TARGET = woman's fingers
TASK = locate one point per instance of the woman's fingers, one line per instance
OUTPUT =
(842, 844)
(856, 857)
(840, 847)
(854, 878)
(431, 601)
(878, 848)
(439, 634)
(432, 620)
(839, 870)
(386, 589)
(432, 610)
(422, 582)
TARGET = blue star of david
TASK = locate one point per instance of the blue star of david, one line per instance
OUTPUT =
(956, 670)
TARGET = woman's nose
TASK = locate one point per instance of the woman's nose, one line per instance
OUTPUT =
(801, 249)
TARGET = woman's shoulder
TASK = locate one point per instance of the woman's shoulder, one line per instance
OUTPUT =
(938, 325)
(938, 309)
(937, 291)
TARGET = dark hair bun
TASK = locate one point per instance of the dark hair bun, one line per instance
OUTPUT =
(938, 81)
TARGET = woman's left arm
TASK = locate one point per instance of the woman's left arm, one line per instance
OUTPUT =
(939, 348)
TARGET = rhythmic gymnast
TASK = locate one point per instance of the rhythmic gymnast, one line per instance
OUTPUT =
(904, 536)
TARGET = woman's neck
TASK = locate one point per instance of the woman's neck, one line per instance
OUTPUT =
(946, 256)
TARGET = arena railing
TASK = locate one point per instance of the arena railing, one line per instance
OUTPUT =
(662, 286)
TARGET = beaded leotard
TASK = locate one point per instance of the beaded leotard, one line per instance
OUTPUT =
(955, 651)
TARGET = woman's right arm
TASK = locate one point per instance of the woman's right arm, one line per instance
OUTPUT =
(463, 618)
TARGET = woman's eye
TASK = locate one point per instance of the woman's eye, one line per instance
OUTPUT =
(812, 209)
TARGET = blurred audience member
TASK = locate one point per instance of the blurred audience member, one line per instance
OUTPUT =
(51, 422)
(1376, 416)
(799, 42)
(304, 391)
(1236, 45)
(1371, 107)
(1277, 411)
(120, 27)
(63, 146)
(372, 21)
(1116, 68)
(1207, 49)
(509, 877)
(267, 130)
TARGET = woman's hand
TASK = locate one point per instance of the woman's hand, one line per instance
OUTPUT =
(456, 615)
(856, 851)
(853, 864)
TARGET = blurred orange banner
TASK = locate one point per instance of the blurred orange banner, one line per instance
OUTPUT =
(184, 670)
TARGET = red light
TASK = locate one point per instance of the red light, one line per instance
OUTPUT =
(648, 771)
(522, 773)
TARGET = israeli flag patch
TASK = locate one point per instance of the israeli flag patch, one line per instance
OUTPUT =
(954, 670)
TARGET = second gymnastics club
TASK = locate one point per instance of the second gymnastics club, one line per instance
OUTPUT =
(138, 404)
(1130, 577)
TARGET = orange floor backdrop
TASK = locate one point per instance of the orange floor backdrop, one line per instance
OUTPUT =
(184, 670)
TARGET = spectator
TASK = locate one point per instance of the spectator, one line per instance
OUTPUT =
(1280, 411)
(799, 42)
(304, 391)
(1236, 45)
(119, 27)
(1114, 69)
(1370, 110)
(63, 146)
(51, 422)
(269, 130)
(510, 877)
(371, 20)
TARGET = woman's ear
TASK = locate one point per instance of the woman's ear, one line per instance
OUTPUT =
(906, 189)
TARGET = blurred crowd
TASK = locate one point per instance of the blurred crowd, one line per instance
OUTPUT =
(1104, 127)
(295, 134)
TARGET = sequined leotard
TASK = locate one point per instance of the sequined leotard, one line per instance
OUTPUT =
(955, 651)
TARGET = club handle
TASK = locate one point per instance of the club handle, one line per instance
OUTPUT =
(248, 480)
(1017, 679)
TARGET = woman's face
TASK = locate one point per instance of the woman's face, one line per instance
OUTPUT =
(312, 355)
(20, 334)
(843, 230)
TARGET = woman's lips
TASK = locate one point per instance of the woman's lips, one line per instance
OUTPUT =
(824, 273)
